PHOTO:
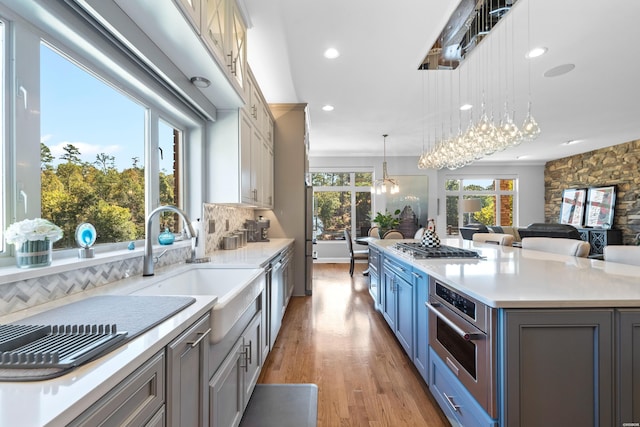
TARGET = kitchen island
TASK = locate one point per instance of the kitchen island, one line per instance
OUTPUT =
(518, 337)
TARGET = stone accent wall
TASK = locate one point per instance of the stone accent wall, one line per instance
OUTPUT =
(617, 165)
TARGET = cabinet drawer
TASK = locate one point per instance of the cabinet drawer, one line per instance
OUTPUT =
(454, 400)
(374, 259)
(399, 268)
(133, 402)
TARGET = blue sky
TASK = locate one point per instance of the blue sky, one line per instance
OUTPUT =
(76, 108)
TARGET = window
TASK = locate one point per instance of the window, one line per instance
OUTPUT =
(95, 136)
(496, 199)
(3, 186)
(341, 200)
(92, 170)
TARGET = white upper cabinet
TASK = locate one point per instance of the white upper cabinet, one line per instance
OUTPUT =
(224, 32)
(192, 9)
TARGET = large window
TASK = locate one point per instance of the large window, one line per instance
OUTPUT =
(341, 200)
(488, 201)
(92, 137)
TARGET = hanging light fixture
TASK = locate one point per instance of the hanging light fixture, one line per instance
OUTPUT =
(381, 186)
(486, 135)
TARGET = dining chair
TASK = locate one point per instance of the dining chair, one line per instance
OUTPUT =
(557, 245)
(502, 239)
(393, 234)
(419, 233)
(373, 232)
(354, 255)
(622, 254)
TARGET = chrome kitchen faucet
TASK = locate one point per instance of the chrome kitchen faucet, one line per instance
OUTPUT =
(147, 266)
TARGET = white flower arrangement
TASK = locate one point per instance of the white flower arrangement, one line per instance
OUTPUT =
(30, 230)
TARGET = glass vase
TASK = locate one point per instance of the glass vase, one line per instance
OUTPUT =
(34, 253)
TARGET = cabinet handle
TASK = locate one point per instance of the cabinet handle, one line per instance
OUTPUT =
(249, 352)
(467, 336)
(449, 400)
(202, 335)
(416, 275)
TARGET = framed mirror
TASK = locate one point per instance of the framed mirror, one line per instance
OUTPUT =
(601, 202)
(572, 208)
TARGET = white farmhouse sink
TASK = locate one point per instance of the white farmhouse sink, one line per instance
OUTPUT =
(236, 289)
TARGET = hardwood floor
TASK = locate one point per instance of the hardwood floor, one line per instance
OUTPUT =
(338, 341)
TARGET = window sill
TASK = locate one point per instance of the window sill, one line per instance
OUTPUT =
(64, 261)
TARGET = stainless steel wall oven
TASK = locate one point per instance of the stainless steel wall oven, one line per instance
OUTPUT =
(462, 332)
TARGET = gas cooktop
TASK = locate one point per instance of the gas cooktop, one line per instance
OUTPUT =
(417, 250)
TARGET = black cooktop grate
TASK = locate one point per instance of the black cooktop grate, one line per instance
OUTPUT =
(417, 250)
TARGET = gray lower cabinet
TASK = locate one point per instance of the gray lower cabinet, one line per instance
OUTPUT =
(136, 401)
(628, 346)
(232, 384)
(374, 276)
(187, 376)
(557, 367)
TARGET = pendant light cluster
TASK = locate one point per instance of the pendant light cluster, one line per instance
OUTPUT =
(486, 135)
(380, 186)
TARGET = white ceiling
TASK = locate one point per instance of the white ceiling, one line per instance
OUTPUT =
(376, 88)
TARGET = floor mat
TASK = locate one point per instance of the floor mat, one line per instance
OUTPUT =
(282, 405)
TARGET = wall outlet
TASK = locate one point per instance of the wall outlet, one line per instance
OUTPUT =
(212, 226)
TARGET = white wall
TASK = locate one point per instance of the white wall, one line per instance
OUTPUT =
(530, 207)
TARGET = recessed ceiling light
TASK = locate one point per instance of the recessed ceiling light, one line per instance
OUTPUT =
(559, 70)
(521, 157)
(327, 108)
(466, 107)
(535, 52)
(572, 141)
(331, 53)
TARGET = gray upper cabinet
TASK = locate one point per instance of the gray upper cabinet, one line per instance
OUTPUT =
(558, 368)
(187, 377)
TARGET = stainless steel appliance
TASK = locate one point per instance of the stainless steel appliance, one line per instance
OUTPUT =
(309, 240)
(419, 251)
(462, 332)
(263, 225)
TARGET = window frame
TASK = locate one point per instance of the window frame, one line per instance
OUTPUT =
(90, 49)
(497, 193)
(352, 188)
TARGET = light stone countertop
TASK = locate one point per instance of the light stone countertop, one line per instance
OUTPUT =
(58, 401)
(509, 277)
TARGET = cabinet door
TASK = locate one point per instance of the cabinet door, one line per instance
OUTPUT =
(238, 40)
(187, 376)
(192, 10)
(256, 167)
(226, 390)
(405, 310)
(558, 367)
(246, 184)
(215, 29)
(252, 362)
(388, 297)
(421, 350)
(267, 175)
(628, 373)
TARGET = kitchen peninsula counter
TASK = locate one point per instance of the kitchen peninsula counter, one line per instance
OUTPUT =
(510, 277)
(60, 400)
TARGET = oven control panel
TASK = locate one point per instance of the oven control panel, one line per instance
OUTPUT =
(463, 304)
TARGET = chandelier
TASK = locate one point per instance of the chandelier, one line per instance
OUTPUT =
(485, 135)
(381, 185)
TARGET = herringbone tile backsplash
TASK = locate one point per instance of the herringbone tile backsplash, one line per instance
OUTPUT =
(23, 294)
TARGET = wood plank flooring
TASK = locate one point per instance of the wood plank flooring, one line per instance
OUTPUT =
(338, 341)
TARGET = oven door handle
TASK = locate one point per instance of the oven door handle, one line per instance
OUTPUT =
(467, 336)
